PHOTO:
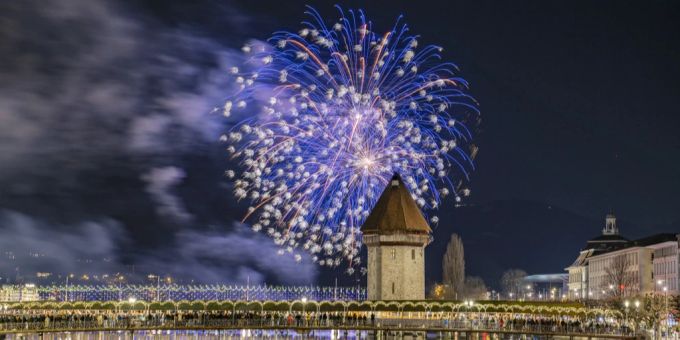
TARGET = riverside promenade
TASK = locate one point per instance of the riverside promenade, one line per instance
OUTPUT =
(308, 323)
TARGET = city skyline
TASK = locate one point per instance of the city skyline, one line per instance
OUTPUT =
(109, 151)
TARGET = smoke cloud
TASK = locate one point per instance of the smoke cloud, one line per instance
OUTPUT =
(159, 185)
(94, 247)
(109, 152)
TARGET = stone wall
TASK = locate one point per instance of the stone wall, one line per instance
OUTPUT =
(396, 266)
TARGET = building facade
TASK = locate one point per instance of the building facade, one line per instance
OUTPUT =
(577, 284)
(612, 266)
(665, 264)
(625, 272)
(396, 233)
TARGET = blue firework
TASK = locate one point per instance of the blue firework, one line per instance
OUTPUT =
(338, 109)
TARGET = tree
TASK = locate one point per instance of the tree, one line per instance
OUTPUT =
(512, 280)
(474, 288)
(618, 278)
(645, 312)
(438, 291)
(453, 267)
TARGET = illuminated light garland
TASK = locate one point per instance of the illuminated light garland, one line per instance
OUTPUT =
(176, 292)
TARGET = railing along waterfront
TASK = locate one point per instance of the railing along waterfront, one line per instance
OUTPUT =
(308, 322)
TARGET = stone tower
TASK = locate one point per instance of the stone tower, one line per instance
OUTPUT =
(396, 234)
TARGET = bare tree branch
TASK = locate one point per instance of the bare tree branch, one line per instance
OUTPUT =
(618, 279)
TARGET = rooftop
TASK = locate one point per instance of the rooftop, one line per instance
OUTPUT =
(395, 212)
(547, 278)
(654, 239)
(608, 238)
(602, 247)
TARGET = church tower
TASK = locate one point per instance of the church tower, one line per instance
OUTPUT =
(610, 225)
(396, 234)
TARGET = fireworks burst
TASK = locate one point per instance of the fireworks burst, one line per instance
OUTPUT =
(339, 110)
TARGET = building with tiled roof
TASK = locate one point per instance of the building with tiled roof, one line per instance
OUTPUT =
(611, 265)
(396, 233)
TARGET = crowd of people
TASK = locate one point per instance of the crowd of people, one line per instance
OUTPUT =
(72, 319)
(129, 319)
(544, 324)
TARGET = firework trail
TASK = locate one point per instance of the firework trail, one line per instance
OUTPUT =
(339, 109)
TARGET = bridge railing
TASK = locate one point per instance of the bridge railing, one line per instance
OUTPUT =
(286, 321)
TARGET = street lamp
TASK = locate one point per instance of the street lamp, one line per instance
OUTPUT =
(131, 301)
(665, 293)
(637, 315)
(120, 279)
(304, 303)
(665, 308)
(626, 303)
(158, 285)
(469, 304)
(528, 292)
(67, 277)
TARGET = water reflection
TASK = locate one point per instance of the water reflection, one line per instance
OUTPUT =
(265, 334)
(194, 335)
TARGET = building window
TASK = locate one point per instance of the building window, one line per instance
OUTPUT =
(394, 253)
(392, 287)
(413, 254)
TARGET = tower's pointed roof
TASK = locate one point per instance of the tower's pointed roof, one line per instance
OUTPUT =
(395, 212)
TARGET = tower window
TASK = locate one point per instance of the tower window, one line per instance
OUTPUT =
(413, 254)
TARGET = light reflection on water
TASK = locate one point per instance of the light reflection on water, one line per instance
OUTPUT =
(260, 334)
(195, 335)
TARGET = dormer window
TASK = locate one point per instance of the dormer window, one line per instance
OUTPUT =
(395, 182)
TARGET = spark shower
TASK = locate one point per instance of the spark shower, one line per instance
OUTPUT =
(335, 110)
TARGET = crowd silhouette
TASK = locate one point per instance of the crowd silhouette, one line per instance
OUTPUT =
(35, 320)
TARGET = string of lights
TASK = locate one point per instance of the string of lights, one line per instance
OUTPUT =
(174, 292)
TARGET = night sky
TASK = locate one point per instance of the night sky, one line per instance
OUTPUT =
(108, 150)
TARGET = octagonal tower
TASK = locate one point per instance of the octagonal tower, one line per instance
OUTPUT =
(396, 234)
